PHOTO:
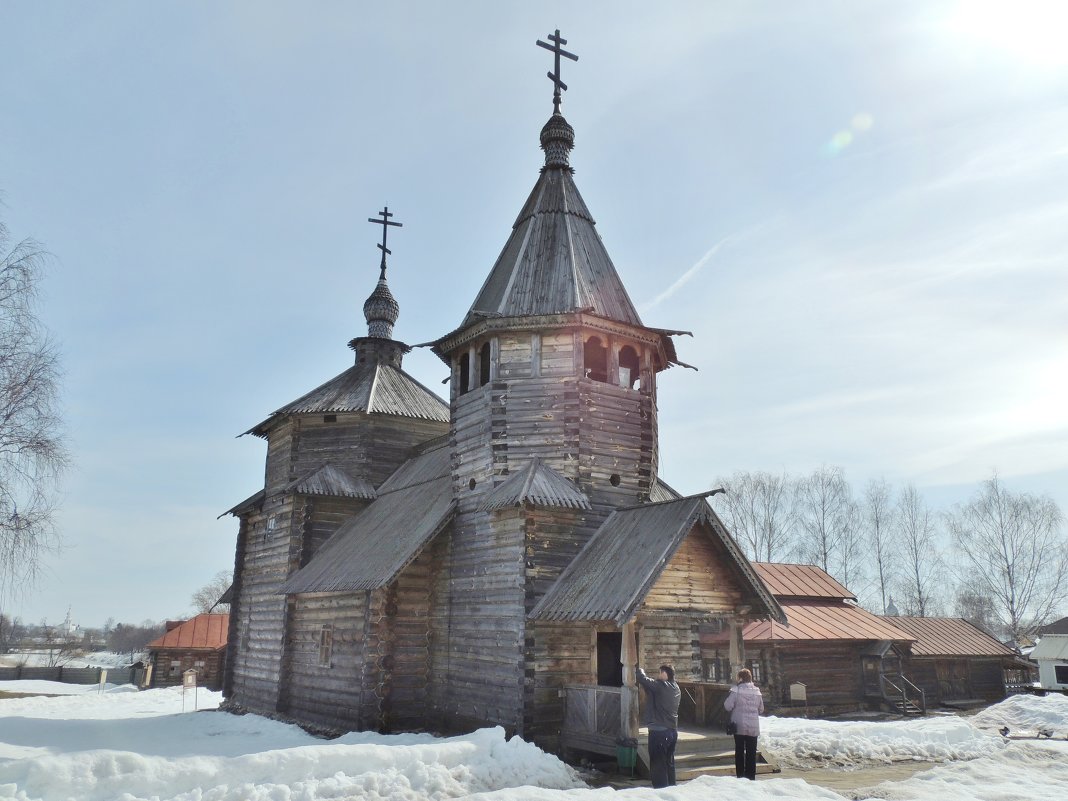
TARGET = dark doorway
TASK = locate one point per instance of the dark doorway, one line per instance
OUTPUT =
(609, 656)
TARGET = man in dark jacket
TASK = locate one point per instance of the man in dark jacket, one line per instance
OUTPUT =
(662, 717)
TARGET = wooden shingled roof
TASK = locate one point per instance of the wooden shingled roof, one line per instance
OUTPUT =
(949, 637)
(369, 388)
(205, 632)
(800, 581)
(371, 548)
(612, 574)
(330, 481)
(539, 485)
(554, 261)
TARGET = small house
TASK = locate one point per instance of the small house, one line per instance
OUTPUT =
(196, 644)
(1051, 654)
(842, 654)
(953, 660)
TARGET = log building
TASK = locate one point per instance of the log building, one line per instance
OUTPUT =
(504, 558)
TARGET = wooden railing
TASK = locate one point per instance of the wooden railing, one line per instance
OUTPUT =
(897, 690)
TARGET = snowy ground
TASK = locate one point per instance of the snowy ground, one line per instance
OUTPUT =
(123, 745)
(44, 658)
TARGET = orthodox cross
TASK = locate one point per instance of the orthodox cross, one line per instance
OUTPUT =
(554, 76)
(385, 222)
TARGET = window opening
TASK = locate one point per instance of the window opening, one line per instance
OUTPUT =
(326, 644)
(484, 365)
(609, 658)
(628, 367)
(465, 372)
(595, 357)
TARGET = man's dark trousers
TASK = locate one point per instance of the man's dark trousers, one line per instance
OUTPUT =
(662, 756)
(744, 756)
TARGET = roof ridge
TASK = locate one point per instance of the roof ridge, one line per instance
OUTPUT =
(532, 470)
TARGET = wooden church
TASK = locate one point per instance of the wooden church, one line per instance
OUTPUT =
(505, 558)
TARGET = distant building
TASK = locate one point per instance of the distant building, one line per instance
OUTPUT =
(1051, 654)
(1056, 627)
(196, 644)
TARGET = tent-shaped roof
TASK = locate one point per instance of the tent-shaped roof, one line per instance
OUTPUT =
(825, 620)
(370, 549)
(328, 480)
(800, 581)
(613, 573)
(205, 632)
(370, 388)
(949, 636)
(537, 484)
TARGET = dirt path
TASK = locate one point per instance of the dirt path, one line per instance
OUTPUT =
(849, 782)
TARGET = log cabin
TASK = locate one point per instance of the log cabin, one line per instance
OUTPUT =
(196, 644)
(504, 558)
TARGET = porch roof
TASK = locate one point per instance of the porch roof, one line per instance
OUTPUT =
(613, 573)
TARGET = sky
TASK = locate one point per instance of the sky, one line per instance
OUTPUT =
(858, 209)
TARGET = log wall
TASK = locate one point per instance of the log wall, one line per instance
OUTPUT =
(209, 675)
(696, 579)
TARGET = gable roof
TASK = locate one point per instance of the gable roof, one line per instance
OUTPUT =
(371, 548)
(205, 632)
(328, 480)
(825, 620)
(537, 484)
(800, 581)
(1051, 646)
(613, 573)
(370, 388)
(1056, 627)
(949, 636)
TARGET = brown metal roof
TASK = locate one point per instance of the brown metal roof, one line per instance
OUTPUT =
(948, 636)
(328, 480)
(611, 576)
(371, 548)
(370, 388)
(205, 632)
(536, 484)
(800, 581)
(825, 620)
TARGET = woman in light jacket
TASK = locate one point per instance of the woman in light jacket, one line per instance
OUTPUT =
(745, 703)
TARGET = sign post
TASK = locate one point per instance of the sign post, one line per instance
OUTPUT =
(189, 682)
(103, 679)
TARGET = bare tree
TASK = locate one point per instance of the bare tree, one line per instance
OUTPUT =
(32, 451)
(207, 597)
(759, 512)
(922, 564)
(1012, 548)
(976, 607)
(827, 524)
(880, 521)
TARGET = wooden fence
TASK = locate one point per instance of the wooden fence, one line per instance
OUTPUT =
(68, 675)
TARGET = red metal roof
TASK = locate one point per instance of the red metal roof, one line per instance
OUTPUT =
(800, 581)
(949, 636)
(825, 620)
(207, 632)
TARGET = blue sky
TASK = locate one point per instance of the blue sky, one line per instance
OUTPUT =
(857, 208)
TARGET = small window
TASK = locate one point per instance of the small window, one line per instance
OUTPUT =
(754, 668)
(329, 418)
(326, 645)
(1060, 673)
(628, 367)
(465, 372)
(717, 669)
(595, 358)
(176, 667)
(484, 365)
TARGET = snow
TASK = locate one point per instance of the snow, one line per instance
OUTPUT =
(124, 745)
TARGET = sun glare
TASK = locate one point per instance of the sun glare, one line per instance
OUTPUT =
(1033, 31)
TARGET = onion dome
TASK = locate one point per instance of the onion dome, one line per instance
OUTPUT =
(557, 139)
(381, 310)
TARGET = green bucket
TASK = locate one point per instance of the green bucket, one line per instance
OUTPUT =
(626, 758)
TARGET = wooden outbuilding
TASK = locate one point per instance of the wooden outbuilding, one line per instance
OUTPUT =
(955, 661)
(196, 644)
(502, 558)
(846, 657)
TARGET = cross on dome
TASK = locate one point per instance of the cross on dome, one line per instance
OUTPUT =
(554, 76)
(385, 222)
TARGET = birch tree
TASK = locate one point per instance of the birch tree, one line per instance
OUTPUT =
(879, 518)
(32, 451)
(1013, 550)
(827, 524)
(922, 566)
(758, 508)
